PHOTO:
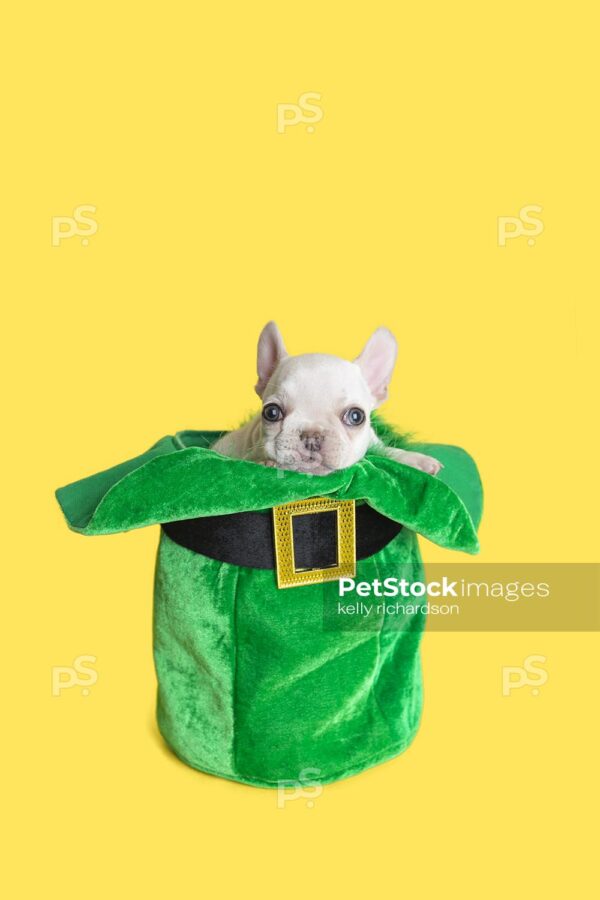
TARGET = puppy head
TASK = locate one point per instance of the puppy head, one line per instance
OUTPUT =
(317, 408)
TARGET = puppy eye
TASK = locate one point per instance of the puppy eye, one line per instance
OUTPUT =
(272, 412)
(353, 416)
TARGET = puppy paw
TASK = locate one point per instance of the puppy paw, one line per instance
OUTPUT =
(420, 461)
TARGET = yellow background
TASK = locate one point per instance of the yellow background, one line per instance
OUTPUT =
(438, 118)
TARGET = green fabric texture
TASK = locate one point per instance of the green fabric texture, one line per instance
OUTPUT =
(251, 684)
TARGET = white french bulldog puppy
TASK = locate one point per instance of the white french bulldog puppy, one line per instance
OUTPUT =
(316, 408)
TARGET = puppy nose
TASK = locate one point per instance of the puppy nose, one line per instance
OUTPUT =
(312, 440)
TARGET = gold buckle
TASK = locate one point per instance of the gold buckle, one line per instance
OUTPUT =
(287, 573)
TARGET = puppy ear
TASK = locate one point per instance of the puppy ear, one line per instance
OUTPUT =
(377, 361)
(271, 350)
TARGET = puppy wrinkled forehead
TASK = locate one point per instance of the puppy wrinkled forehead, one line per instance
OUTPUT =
(319, 375)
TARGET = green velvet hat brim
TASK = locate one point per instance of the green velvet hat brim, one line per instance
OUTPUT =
(174, 481)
